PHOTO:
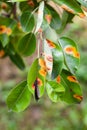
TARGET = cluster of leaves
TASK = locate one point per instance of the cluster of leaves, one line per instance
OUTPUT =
(54, 68)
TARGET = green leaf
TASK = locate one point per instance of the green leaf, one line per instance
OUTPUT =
(27, 44)
(33, 74)
(73, 92)
(71, 6)
(55, 22)
(58, 61)
(4, 39)
(71, 54)
(83, 2)
(66, 18)
(40, 16)
(55, 18)
(27, 21)
(19, 97)
(24, 6)
(51, 35)
(8, 22)
(17, 60)
(54, 90)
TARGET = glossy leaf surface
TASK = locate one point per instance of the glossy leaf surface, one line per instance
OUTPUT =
(27, 21)
(58, 61)
(71, 54)
(54, 90)
(27, 44)
(72, 6)
(34, 75)
(40, 16)
(73, 92)
(19, 97)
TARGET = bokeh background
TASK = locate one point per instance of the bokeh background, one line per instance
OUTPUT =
(45, 115)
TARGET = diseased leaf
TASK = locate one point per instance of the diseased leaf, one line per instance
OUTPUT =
(40, 16)
(33, 75)
(71, 6)
(71, 54)
(48, 57)
(73, 92)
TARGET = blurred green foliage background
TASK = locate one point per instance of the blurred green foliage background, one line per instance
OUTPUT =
(45, 115)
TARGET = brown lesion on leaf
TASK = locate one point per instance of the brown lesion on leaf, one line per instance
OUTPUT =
(5, 30)
(78, 97)
(72, 51)
(82, 15)
(39, 83)
(51, 44)
(4, 5)
(31, 3)
(2, 29)
(43, 69)
(72, 79)
(67, 8)
(58, 79)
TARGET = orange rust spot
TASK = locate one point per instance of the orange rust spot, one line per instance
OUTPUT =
(31, 3)
(2, 29)
(42, 63)
(82, 15)
(72, 51)
(19, 25)
(39, 81)
(67, 9)
(43, 72)
(48, 17)
(4, 5)
(51, 44)
(2, 53)
(72, 79)
(8, 31)
(78, 97)
(58, 79)
(77, 55)
(49, 58)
